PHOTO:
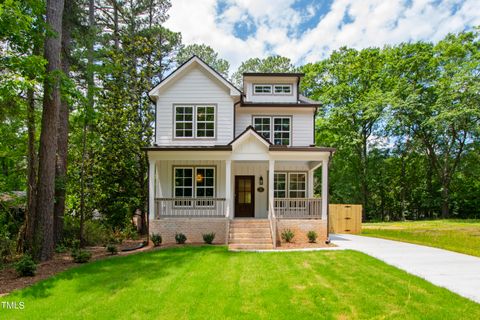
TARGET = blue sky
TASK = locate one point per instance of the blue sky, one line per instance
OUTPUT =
(309, 30)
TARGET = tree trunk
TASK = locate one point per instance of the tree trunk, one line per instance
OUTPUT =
(445, 201)
(62, 138)
(28, 233)
(48, 136)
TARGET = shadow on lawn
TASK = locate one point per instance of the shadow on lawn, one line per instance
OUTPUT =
(118, 272)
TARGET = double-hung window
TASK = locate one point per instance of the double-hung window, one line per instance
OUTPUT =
(194, 121)
(290, 185)
(282, 89)
(278, 128)
(198, 181)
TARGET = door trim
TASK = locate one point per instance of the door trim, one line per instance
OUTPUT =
(252, 178)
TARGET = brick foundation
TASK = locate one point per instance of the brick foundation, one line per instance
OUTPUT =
(301, 227)
(193, 228)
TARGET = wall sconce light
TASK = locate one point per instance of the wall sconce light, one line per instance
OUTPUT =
(261, 180)
(199, 177)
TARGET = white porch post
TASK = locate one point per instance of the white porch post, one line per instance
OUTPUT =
(151, 189)
(228, 188)
(271, 173)
(311, 178)
(324, 189)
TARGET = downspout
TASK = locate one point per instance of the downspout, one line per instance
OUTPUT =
(235, 114)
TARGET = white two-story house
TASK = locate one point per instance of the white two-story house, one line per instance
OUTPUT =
(239, 163)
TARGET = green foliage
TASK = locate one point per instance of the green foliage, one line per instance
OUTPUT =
(180, 238)
(287, 235)
(81, 256)
(112, 249)
(274, 63)
(208, 237)
(312, 236)
(95, 232)
(61, 248)
(26, 267)
(156, 239)
(207, 54)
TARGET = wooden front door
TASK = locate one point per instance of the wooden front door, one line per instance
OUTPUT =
(245, 196)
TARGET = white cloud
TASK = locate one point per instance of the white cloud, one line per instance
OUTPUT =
(374, 23)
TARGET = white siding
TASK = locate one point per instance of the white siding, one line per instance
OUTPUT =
(195, 86)
(256, 169)
(302, 121)
(251, 97)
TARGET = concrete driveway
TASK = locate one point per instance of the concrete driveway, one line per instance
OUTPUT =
(457, 272)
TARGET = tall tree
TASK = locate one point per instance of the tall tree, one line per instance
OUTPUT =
(48, 136)
(269, 64)
(207, 54)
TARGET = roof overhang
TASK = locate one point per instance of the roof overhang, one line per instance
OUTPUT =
(154, 93)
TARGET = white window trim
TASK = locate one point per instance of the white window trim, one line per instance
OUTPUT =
(287, 183)
(263, 85)
(194, 121)
(194, 187)
(272, 130)
(183, 187)
(283, 93)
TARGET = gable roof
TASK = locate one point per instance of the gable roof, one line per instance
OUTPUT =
(250, 131)
(234, 91)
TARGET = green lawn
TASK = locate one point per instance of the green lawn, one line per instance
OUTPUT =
(455, 235)
(212, 283)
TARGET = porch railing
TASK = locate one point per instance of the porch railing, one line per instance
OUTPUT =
(189, 207)
(298, 208)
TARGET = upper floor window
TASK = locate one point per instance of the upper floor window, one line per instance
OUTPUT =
(262, 88)
(277, 127)
(269, 89)
(282, 89)
(195, 121)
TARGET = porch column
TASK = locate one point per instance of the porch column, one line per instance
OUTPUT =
(151, 189)
(271, 173)
(311, 184)
(228, 188)
(324, 189)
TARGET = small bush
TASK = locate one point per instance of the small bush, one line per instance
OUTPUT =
(130, 232)
(312, 236)
(112, 249)
(180, 238)
(60, 248)
(156, 239)
(26, 266)
(208, 237)
(81, 256)
(288, 235)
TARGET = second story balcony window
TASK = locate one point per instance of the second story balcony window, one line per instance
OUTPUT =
(276, 129)
(194, 121)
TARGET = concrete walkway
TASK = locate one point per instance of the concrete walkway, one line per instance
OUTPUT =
(457, 272)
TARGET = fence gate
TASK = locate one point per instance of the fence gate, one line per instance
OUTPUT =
(345, 218)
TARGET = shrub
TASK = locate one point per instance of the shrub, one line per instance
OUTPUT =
(288, 235)
(26, 266)
(156, 239)
(7, 247)
(130, 232)
(312, 236)
(60, 248)
(180, 238)
(81, 256)
(208, 237)
(112, 249)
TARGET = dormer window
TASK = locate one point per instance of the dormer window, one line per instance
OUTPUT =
(262, 89)
(282, 89)
(272, 89)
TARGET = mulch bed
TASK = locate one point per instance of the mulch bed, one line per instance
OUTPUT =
(9, 280)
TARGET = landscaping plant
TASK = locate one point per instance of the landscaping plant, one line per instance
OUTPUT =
(81, 256)
(26, 266)
(312, 236)
(112, 249)
(288, 235)
(208, 237)
(180, 238)
(156, 239)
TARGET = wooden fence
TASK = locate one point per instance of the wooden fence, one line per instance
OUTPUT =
(345, 218)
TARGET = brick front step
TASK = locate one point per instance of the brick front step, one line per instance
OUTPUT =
(248, 235)
(249, 246)
(249, 230)
(251, 241)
